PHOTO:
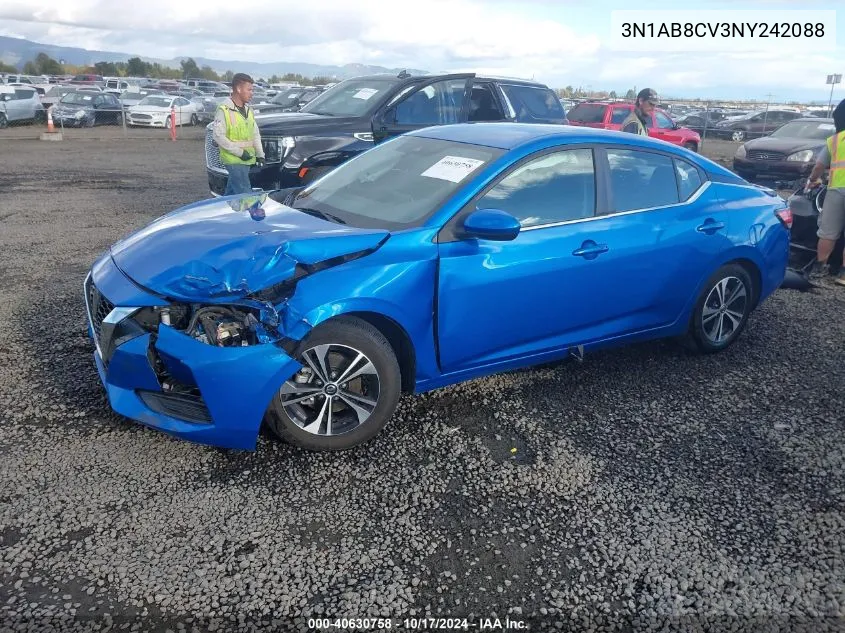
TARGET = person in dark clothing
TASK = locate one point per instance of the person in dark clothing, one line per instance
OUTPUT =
(637, 122)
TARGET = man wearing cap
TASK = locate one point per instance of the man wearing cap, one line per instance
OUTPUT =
(832, 218)
(237, 135)
(638, 121)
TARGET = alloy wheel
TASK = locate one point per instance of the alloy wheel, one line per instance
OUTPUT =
(724, 310)
(335, 392)
(738, 135)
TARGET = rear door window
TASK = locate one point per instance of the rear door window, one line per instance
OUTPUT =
(641, 180)
(532, 102)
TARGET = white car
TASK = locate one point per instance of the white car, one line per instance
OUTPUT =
(19, 104)
(155, 111)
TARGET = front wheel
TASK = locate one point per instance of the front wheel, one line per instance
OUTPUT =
(167, 123)
(691, 146)
(722, 309)
(195, 119)
(345, 393)
(4, 122)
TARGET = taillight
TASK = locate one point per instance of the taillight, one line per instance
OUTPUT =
(785, 216)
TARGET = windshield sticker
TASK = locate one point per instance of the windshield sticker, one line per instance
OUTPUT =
(365, 93)
(452, 168)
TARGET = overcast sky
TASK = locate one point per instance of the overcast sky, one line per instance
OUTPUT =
(558, 42)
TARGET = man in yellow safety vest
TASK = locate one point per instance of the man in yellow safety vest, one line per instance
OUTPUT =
(237, 135)
(832, 218)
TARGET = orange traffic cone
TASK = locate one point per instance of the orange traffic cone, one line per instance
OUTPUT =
(50, 128)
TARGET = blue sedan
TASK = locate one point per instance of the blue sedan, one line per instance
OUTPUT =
(437, 257)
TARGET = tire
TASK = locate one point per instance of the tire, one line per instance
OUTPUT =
(195, 119)
(167, 123)
(693, 147)
(338, 341)
(738, 136)
(4, 123)
(90, 122)
(707, 316)
(747, 175)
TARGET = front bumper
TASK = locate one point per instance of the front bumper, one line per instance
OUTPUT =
(145, 122)
(269, 178)
(235, 385)
(786, 169)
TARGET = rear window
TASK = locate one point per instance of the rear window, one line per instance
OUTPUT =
(537, 103)
(24, 94)
(587, 113)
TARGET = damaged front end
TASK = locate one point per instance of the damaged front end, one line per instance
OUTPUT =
(204, 373)
(189, 315)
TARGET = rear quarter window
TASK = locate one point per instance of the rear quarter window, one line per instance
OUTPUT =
(533, 103)
(587, 113)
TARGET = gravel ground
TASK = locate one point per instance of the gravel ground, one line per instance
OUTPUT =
(645, 489)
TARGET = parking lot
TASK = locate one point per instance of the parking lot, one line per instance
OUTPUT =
(644, 489)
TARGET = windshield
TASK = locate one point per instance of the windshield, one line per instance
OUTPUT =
(163, 102)
(805, 129)
(353, 97)
(289, 97)
(77, 98)
(396, 185)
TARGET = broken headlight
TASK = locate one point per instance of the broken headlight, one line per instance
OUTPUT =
(277, 149)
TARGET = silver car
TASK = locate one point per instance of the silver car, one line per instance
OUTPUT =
(18, 105)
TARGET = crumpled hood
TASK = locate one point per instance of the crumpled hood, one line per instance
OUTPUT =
(228, 248)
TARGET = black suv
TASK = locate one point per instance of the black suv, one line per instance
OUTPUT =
(351, 116)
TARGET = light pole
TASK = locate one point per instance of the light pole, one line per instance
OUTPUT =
(766, 115)
(832, 80)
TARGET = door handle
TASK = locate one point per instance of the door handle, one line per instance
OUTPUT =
(710, 226)
(590, 250)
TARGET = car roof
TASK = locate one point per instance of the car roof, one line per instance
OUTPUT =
(414, 78)
(508, 136)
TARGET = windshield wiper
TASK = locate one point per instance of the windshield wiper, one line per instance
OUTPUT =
(318, 112)
(321, 214)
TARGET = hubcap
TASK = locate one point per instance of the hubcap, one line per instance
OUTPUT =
(335, 392)
(724, 310)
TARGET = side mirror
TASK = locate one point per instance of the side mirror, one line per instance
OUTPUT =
(490, 224)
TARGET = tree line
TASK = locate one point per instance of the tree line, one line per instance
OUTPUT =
(43, 64)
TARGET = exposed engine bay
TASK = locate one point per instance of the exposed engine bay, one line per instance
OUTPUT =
(217, 325)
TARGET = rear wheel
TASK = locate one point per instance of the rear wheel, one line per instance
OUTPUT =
(691, 146)
(344, 394)
(738, 136)
(722, 309)
(195, 119)
(4, 122)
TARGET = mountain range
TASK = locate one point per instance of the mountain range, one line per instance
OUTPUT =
(17, 51)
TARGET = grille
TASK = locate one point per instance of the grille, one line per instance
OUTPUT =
(212, 153)
(758, 154)
(98, 308)
(180, 406)
(142, 117)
